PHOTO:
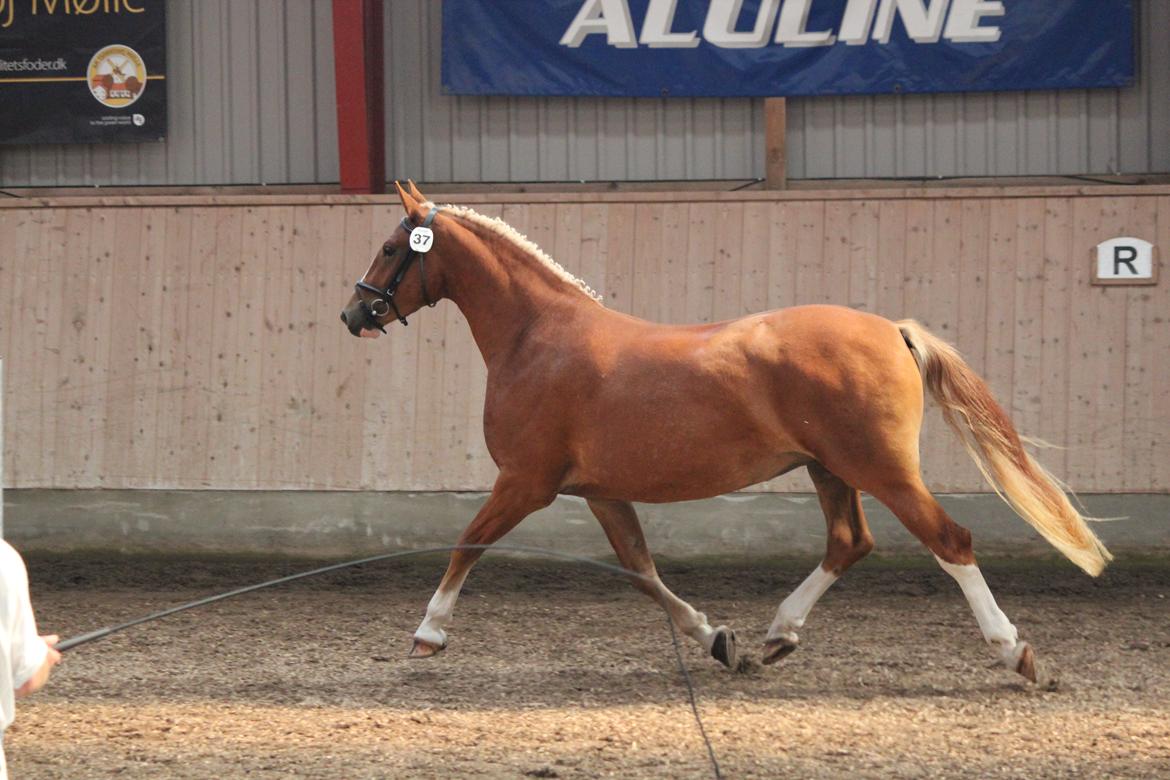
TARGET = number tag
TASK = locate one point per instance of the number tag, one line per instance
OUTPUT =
(421, 239)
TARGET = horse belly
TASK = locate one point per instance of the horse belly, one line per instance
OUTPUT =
(675, 454)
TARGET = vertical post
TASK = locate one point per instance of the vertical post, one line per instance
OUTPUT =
(357, 68)
(775, 143)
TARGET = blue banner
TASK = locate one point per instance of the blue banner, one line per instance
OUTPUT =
(690, 48)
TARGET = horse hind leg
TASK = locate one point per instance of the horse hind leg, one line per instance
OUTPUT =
(848, 541)
(950, 542)
(620, 523)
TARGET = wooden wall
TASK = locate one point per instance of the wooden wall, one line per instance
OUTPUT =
(194, 342)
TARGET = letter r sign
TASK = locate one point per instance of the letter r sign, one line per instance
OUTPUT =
(1125, 261)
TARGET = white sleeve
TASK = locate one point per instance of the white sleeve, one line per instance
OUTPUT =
(28, 649)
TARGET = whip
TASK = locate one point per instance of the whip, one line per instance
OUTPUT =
(90, 636)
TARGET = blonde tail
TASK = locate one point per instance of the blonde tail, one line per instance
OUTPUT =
(994, 445)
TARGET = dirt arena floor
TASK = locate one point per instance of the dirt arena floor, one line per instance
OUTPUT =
(561, 671)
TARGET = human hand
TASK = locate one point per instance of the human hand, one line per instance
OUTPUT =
(38, 680)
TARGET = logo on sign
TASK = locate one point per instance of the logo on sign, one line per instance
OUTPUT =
(1124, 261)
(117, 76)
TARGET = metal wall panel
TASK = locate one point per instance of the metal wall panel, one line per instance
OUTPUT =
(251, 100)
(1068, 132)
(437, 137)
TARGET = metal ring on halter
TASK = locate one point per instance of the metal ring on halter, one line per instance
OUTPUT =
(379, 307)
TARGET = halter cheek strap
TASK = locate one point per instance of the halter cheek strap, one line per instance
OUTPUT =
(386, 296)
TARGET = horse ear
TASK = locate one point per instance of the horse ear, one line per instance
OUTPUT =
(409, 204)
(415, 191)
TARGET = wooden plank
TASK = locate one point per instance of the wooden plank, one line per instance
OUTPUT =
(836, 253)
(1109, 308)
(148, 303)
(223, 446)
(347, 424)
(125, 373)
(276, 228)
(17, 280)
(755, 255)
(700, 264)
(74, 249)
(672, 249)
(1155, 348)
(864, 227)
(197, 345)
(1055, 344)
(1141, 306)
(810, 262)
(650, 263)
(1083, 353)
(619, 257)
(776, 143)
(594, 249)
(247, 372)
(175, 261)
(1027, 369)
(891, 259)
(728, 261)
(783, 256)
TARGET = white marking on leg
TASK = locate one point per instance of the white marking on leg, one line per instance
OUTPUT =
(996, 628)
(439, 611)
(793, 611)
(690, 621)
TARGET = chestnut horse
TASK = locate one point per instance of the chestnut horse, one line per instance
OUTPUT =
(586, 401)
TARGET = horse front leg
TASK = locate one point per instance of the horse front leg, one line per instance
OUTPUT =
(620, 522)
(510, 502)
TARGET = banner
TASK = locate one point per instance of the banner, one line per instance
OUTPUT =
(82, 71)
(689, 48)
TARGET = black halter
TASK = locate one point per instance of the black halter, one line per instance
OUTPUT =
(384, 303)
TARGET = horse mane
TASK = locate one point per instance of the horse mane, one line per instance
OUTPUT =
(499, 227)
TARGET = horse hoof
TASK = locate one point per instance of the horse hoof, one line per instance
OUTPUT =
(723, 647)
(775, 649)
(424, 649)
(1026, 666)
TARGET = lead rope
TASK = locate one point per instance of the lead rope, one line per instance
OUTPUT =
(80, 639)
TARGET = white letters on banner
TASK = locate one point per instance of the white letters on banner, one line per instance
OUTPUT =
(925, 21)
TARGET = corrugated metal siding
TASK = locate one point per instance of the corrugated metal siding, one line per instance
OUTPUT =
(437, 137)
(251, 99)
(1006, 134)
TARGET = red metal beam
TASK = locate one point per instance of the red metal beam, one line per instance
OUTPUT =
(358, 68)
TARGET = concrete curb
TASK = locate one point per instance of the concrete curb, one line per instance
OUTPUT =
(351, 524)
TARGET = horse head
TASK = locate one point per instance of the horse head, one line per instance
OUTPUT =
(404, 273)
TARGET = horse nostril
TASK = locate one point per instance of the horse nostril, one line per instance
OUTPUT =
(343, 319)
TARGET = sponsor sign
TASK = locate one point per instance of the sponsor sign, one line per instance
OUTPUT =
(82, 71)
(688, 48)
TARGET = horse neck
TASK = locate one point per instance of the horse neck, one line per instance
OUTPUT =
(503, 290)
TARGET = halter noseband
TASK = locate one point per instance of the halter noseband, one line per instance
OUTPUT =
(385, 298)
